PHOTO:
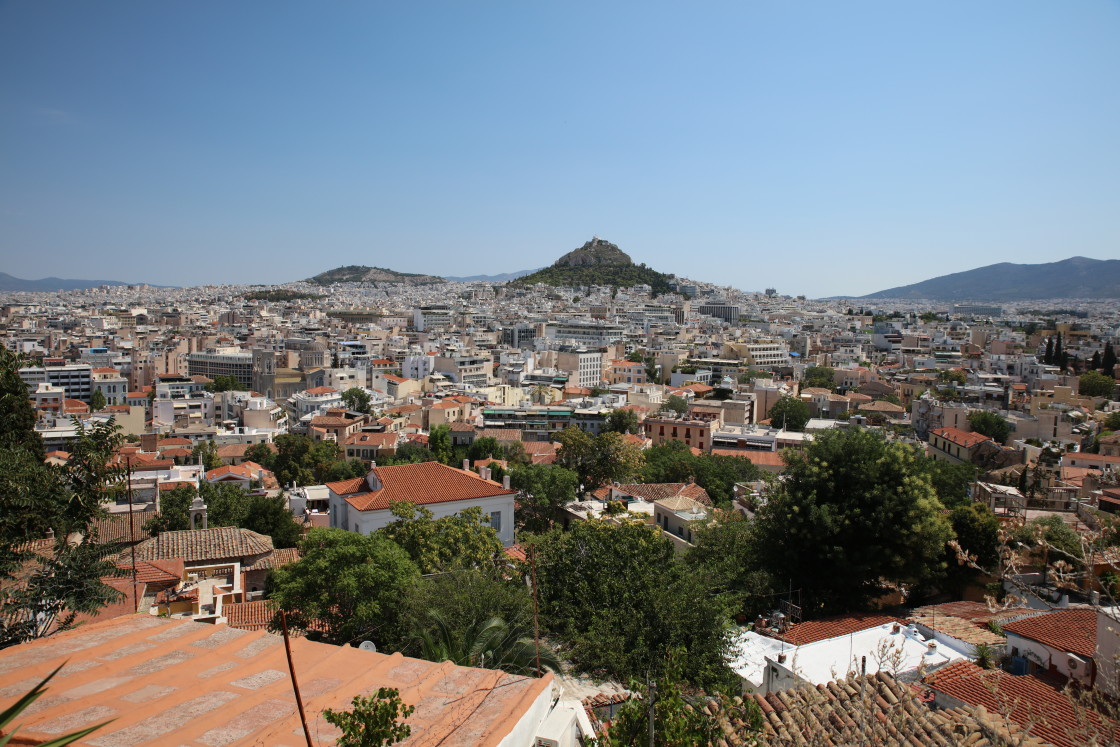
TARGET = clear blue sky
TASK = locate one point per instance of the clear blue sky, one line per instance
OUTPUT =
(820, 148)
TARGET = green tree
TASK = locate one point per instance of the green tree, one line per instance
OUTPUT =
(17, 417)
(1112, 421)
(357, 399)
(726, 552)
(620, 600)
(346, 587)
(622, 421)
(463, 598)
(463, 540)
(950, 481)
(789, 413)
(976, 531)
(262, 454)
(484, 448)
(821, 377)
(174, 511)
(224, 384)
(1051, 537)
(439, 442)
(990, 424)
(347, 469)
(1093, 384)
(97, 401)
(862, 508)
(673, 461)
(270, 516)
(373, 721)
(491, 643)
(953, 376)
(598, 460)
(544, 491)
(675, 403)
(206, 452)
(45, 589)
(1108, 360)
(226, 504)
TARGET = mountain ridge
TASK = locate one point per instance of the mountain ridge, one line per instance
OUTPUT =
(1075, 277)
(367, 274)
(46, 285)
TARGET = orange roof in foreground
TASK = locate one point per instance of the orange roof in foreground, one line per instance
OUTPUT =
(831, 627)
(422, 484)
(960, 438)
(1073, 631)
(168, 681)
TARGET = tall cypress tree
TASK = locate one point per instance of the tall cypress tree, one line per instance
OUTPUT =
(1059, 358)
(1048, 356)
(1108, 360)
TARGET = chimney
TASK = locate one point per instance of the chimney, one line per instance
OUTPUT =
(484, 472)
(466, 465)
(505, 482)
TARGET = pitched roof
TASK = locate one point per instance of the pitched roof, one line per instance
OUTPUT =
(168, 681)
(1072, 631)
(658, 491)
(832, 627)
(203, 544)
(154, 572)
(830, 715)
(1025, 700)
(959, 437)
(423, 484)
(115, 527)
(250, 615)
(275, 559)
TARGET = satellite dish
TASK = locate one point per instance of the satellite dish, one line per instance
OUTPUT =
(368, 646)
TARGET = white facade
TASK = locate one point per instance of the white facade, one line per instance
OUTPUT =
(498, 508)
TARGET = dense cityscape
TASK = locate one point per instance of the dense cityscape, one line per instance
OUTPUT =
(595, 492)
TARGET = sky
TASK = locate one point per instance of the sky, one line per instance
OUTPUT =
(820, 148)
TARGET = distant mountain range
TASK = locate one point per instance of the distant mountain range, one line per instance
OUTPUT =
(364, 274)
(502, 278)
(598, 262)
(10, 283)
(1076, 277)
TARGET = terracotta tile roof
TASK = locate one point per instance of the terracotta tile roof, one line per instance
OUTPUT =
(882, 406)
(175, 452)
(959, 437)
(174, 484)
(194, 545)
(250, 615)
(461, 427)
(1073, 631)
(500, 434)
(322, 390)
(378, 440)
(830, 715)
(159, 573)
(404, 409)
(757, 458)
(275, 559)
(1025, 700)
(832, 627)
(656, 491)
(331, 421)
(423, 484)
(166, 443)
(115, 527)
(166, 682)
(977, 613)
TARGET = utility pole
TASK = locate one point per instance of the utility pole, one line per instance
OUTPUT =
(292, 671)
(132, 533)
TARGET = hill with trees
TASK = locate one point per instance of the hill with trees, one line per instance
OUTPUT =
(1076, 277)
(365, 274)
(598, 262)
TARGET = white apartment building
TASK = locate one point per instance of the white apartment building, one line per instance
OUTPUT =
(76, 379)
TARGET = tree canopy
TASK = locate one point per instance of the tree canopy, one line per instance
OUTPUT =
(346, 587)
(789, 413)
(357, 399)
(463, 540)
(1094, 384)
(622, 421)
(224, 383)
(990, 424)
(821, 377)
(858, 506)
(620, 600)
(544, 491)
(673, 461)
(598, 460)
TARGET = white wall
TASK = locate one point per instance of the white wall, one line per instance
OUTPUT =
(366, 522)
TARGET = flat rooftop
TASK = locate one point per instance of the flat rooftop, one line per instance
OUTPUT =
(178, 682)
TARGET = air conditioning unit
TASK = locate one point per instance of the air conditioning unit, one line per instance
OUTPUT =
(1079, 669)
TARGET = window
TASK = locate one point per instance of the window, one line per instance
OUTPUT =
(496, 521)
